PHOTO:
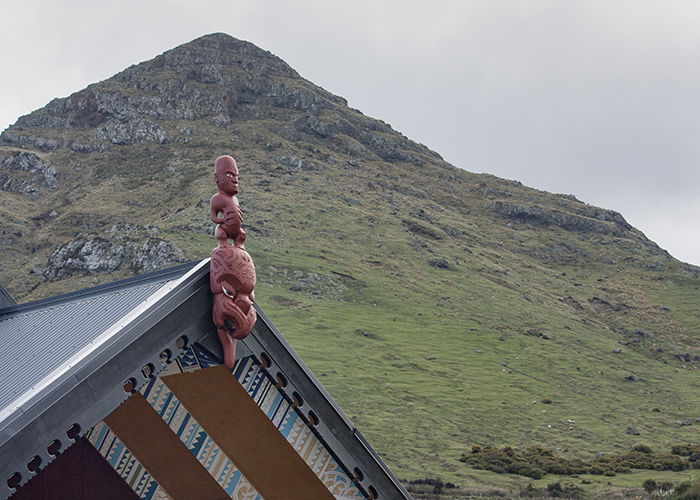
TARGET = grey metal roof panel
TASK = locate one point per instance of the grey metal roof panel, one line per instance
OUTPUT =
(164, 274)
(39, 336)
(38, 340)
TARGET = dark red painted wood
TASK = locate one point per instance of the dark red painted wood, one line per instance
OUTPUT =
(79, 473)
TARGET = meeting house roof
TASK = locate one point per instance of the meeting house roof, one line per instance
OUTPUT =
(125, 383)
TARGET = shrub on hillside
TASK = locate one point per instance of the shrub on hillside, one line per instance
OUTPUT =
(525, 469)
(436, 485)
(553, 490)
(650, 485)
(685, 450)
(556, 490)
(535, 462)
(687, 491)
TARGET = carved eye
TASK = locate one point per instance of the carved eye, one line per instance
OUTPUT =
(227, 293)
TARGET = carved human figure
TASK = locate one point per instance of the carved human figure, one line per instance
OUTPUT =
(224, 207)
(231, 270)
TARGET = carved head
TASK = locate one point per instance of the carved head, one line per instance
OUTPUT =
(232, 281)
(226, 174)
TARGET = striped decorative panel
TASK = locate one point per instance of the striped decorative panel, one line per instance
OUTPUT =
(221, 467)
(280, 412)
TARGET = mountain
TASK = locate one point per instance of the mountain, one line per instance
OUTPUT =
(440, 307)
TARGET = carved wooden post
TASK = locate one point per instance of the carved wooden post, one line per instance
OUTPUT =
(231, 271)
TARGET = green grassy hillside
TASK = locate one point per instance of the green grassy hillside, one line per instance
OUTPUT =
(439, 307)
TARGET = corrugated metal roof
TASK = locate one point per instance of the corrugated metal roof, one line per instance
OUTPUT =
(35, 338)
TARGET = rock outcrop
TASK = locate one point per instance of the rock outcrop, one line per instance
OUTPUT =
(587, 219)
(104, 253)
(26, 173)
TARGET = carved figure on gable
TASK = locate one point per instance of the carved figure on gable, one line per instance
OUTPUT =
(231, 270)
(224, 208)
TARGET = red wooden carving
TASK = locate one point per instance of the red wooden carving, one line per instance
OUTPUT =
(231, 271)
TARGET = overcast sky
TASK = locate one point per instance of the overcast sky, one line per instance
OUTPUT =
(594, 98)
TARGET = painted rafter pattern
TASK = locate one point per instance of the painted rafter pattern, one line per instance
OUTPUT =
(212, 458)
(203, 447)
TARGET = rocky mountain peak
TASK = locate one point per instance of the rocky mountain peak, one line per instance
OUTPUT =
(220, 49)
(216, 80)
(215, 77)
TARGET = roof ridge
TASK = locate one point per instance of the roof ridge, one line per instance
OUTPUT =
(175, 271)
(52, 306)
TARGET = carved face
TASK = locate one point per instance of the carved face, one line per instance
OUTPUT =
(226, 174)
(232, 280)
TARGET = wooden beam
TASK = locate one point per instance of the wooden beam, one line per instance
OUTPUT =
(244, 433)
(161, 452)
